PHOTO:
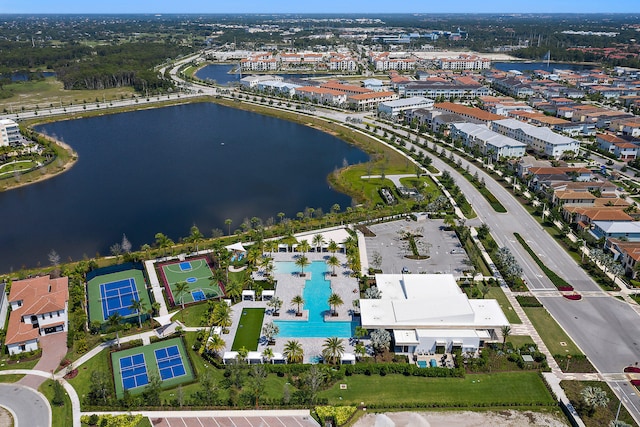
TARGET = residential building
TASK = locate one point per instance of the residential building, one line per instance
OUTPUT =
(370, 100)
(393, 108)
(374, 84)
(9, 133)
(348, 89)
(438, 89)
(322, 95)
(623, 150)
(624, 230)
(38, 307)
(628, 253)
(385, 61)
(253, 81)
(489, 143)
(4, 305)
(430, 313)
(540, 139)
(470, 114)
(465, 62)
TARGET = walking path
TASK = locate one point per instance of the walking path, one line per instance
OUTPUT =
(155, 286)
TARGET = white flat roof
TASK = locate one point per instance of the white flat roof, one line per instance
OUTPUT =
(254, 355)
(230, 355)
(405, 336)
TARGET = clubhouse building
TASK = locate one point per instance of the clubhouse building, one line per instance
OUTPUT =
(429, 314)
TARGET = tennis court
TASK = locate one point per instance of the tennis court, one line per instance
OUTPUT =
(167, 360)
(133, 371)
(118, 296)
(198, 276)
(113, 293)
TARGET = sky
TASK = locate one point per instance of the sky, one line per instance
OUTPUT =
(315, 6)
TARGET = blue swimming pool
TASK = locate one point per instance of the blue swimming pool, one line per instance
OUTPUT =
(316, 293)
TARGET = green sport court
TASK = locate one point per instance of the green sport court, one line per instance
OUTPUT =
(198, 276)
(134, 367)
(112, 293)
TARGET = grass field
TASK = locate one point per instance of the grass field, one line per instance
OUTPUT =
(49, 91)
(498, 294)
(96, 313)
(151, 363)
(198, 277)
(61, 416)
(249, 329)
(519, 388)
(519, 340)
(550, 332)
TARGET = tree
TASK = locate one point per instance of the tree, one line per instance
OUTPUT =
(214, 344)
(506, 331)
(333, 262)
(114, 322)
(151, 393)
(256, 383)
(332, 350)
(593, 398)
(221, 315)
(181, 289)
(139, 307)
(372, 293)
(335, 301)
(126, 244)
(54, 258)
(304, 247)
(276, 304)
(163, 242)
(58, 394)
(270, 330)
(332, 246)
(380, 341)
(293, 352)
(376, 260)
(302, 262)
(195, 236)
(318, 240)
(298, 301)
(228, 222)
(267, 354)
(99, 388)
(234, 289)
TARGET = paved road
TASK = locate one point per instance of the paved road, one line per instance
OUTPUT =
(29, 406)
(603, 327)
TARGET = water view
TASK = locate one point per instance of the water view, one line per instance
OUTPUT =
(540, 65)
(164, 170)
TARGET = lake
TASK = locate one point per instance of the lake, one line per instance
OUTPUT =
(220, 74)
(163, 170)
(539, 65)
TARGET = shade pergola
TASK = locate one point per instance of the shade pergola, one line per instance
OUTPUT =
(236, 247)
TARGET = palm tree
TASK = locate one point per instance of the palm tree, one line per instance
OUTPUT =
(181, 289)
(594, 397)
(195, 236)
(293, 352)
(334, 262)
(214, 344)
(335, 301)
(221, 315)
(332, 350)
(267, 354)
(115, 322)
(163, 242)
(297, 300)
(304, 247)
(318, 240)
(234, 289)
(138, 306)
(302, 262)
(276, 304)
(333, 247)
(228, 222)
(506, 331)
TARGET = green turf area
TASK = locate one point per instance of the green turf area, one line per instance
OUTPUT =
(550, 332)
(198, 277)
(508, 388)
(96, 313)
(249, 328)
(498, 294)
(17, 166)
(61, 416)
(519, 340)
(152, 365)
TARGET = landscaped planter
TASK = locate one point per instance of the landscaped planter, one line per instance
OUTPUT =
(565, 288)
(633, 369)
(573, 297)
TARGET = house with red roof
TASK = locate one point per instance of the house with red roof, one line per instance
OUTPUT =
(38, 307)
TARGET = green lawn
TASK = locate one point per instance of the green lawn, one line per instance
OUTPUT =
(519, 388)
(82, 382)
(194, 314)
(10, 378)
(61, 416)
(4, 364)
(519, 340)
(498, 294)
(550, 332)
(249, 329)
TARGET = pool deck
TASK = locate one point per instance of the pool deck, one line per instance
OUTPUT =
(290, 285)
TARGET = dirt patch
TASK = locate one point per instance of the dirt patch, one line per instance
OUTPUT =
(508, 418)
(6, 419)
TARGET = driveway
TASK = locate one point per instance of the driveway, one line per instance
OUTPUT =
(29, 406)
(54, 348)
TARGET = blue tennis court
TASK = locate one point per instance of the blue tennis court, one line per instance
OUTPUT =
(169, 362)
(116, 297)
(198, 295)
(133, 370)
(185, 266)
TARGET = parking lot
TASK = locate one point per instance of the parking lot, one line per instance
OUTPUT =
(445, 252)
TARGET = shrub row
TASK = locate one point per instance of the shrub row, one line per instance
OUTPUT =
(408, 405)
(558, 281)
(401, 368)
(528, 301)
